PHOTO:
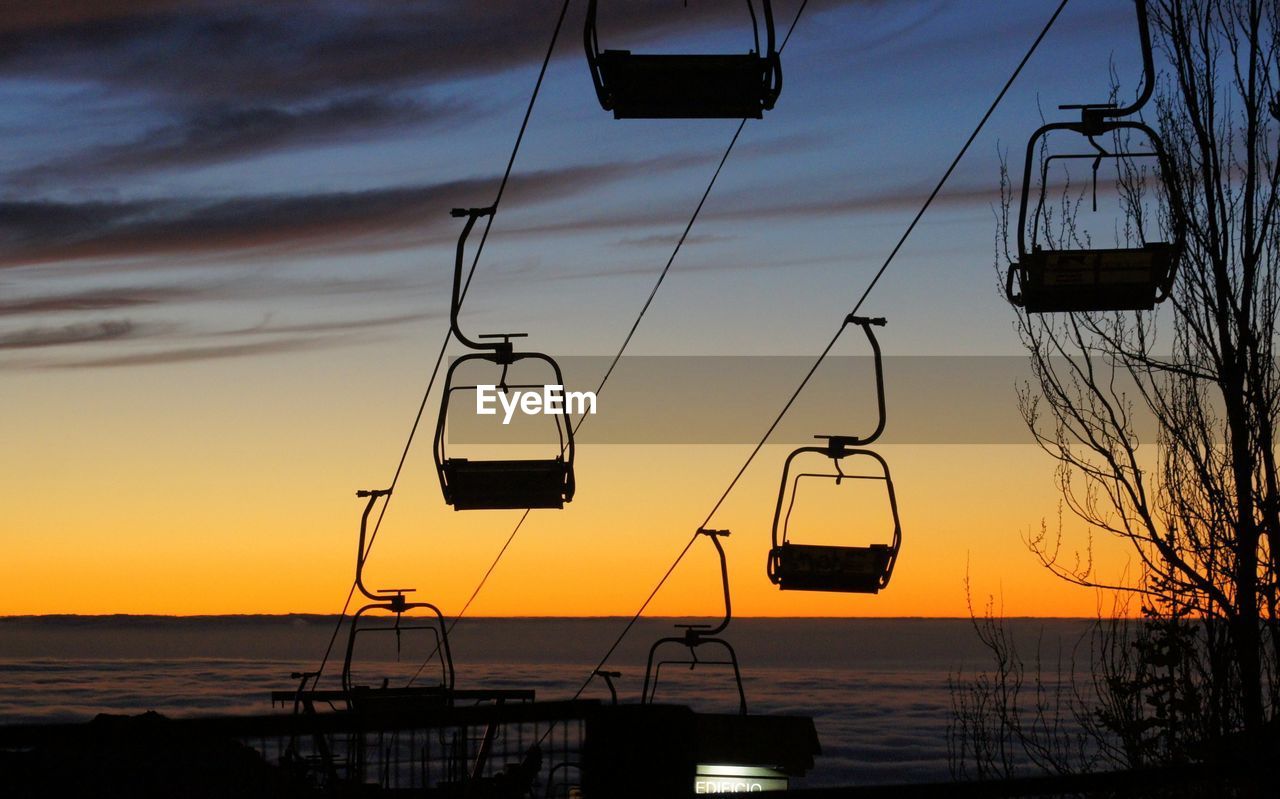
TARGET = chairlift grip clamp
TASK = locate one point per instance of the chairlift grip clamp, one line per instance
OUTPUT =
(458, 213)
(374, 492)
(838, 446)
(865, 321)
(503, 348)
(714, 533)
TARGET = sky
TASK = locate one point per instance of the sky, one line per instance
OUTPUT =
(225, 255)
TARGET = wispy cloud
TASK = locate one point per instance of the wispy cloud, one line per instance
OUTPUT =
(36, 337)
(93, 299)
(667, 240)
(190, 354)
(752, 205)
(261, 51)
(329, 326)
(225, 132)
(97, 298)
(44, 231)
(166, 348)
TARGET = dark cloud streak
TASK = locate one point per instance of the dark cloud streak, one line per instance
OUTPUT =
(191, 354)
(45, 231)
(289, 50)
(228, 132)
(747, 206)
(99, 299)
(36, 337)
(379, 219)
(331, 326)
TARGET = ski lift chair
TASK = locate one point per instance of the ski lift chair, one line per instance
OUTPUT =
(728, 86)
(395, 601)
(814, 567)
(470, 484)
(1091, 279)
(846, 569)
(696, 635)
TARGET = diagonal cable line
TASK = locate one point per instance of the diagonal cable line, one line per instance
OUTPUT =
(435, 370)
(822, 356)
(626, 342)
(662, 276)
(893, 254)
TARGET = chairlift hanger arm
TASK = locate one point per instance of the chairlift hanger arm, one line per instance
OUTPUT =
(455, 306)
(361, 553)
(770, 35)
(771, 54)
(1148, 64)
(591, 43)
(609, 677)
(715, 535)
(1093, 114)
(836, 443)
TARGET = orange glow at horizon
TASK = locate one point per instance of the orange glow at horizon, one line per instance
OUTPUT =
(167, 513)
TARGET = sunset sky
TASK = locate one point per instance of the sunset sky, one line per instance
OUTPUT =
(225, 254)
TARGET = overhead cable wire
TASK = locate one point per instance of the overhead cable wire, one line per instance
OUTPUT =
(889, 260)
(435, 370)
(608, 373)
(831, 344)
(626, 342)
(790, 30)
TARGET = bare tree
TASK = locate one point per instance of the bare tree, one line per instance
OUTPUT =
(1200, 509)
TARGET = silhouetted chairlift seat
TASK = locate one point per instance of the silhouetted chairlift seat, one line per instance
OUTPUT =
(684, 86)
(1045, 280)
(499, 483)
(822, 567)
(812, 567)
(646, 86)
(1117, 279)
(510, 484)
(815, 567)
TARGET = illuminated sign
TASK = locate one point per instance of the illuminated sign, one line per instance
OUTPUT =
(737, 779)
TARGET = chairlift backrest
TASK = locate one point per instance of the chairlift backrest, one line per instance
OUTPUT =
(724, 86)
